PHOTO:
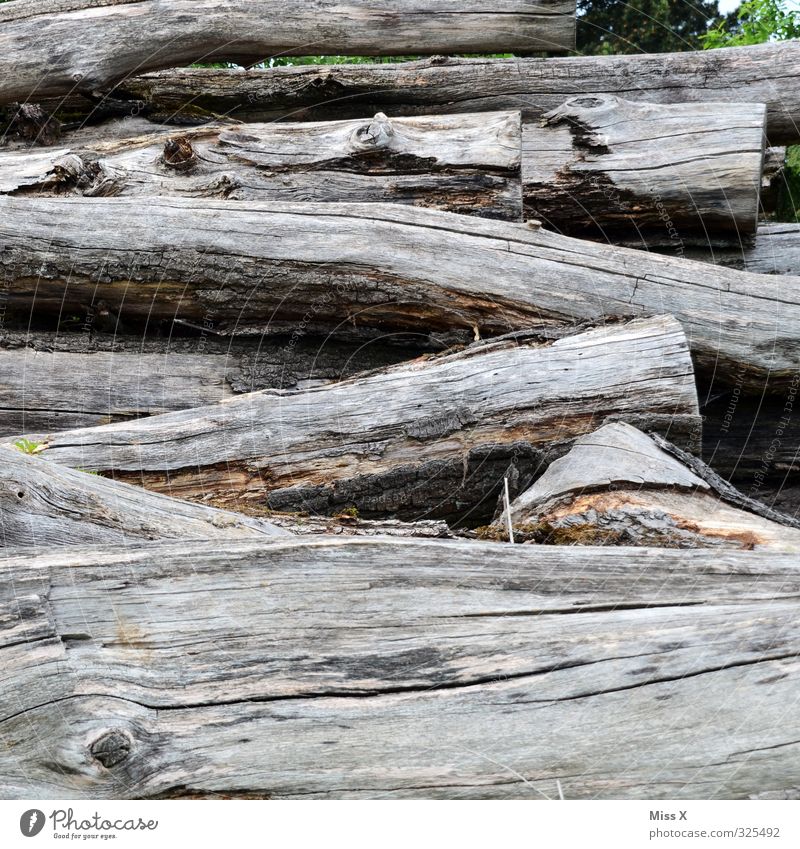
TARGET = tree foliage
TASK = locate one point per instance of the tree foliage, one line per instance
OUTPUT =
(644, 26)
(755, 22)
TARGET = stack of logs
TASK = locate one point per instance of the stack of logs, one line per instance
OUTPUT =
(438, 307)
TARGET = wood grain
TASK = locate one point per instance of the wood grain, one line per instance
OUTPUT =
(398, 669)
(88, 376)
(468, 164)
(603, 166)
(46, 505)
(297, 268)
(434, 437)
(776, 250)
(763, 73)
(103, 41)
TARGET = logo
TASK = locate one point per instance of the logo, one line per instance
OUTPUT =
(31, 822)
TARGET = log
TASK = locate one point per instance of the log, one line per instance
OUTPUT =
(46, 505)
(776, 250)
(763, 73)
(335, 268)
(461, 163)
(433, 438)
(101, 42)
(398, 669)
(66, 380)
(618, 486)
(673, 174)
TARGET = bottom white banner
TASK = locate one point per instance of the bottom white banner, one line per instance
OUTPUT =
(382, 824)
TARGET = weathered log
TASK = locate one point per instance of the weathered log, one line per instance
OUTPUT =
(618, 486)
(295, 268)
(433, 438)
(764, 73)
(462, 163)
(43, 505)
(776, 251)
(398, 668)
(100, 42)
(66, 380)
(599, 165)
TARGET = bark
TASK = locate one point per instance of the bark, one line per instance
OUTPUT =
(433, 438)
(461, 163)
(618, 486)
(338, 268)
(765, 73)
(65, 380)
(776, 251)
(56, 48)
(599, 165)
(46, 505)
(398, 669)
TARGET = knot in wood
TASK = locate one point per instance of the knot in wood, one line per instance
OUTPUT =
(377, 134)
(179, 153)
(111, 748)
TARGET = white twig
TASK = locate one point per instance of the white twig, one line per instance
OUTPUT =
(508, 512)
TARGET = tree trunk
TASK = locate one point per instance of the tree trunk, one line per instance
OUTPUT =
(100, 43)
(433, 438)
(602, 166)
(46, 505)
(335, 268)
(617, 486)
(764, 73)
(66, 380)
(398, 669)
(461, 163)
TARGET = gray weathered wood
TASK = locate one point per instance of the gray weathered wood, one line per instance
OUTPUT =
(776, 251)
(462, 163)
(432, 437)
(764, 73)
(87, 377)
(44, 505)
(397, 669)
(56, 47)
(618, 486)
(661, 174)
(338, 267)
